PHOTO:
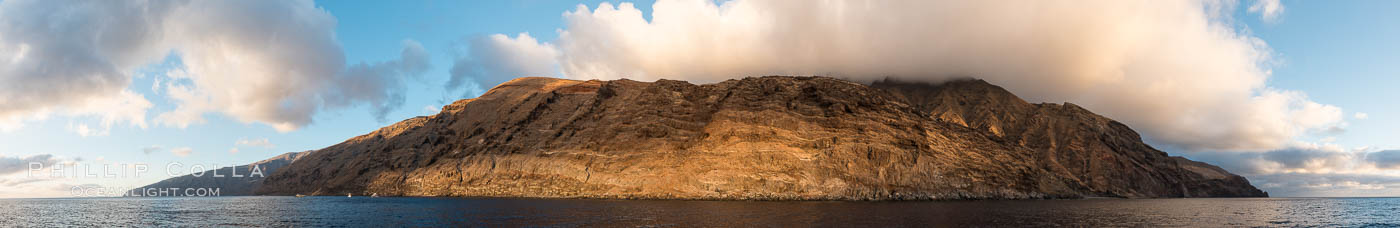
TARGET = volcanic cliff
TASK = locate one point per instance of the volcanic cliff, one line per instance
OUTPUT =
(774, 137)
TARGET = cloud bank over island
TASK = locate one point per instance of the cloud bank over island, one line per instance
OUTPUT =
(271, 62)
(1180, 71)
(1184, 73)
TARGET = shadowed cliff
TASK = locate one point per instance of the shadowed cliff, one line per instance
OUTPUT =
(773, 137)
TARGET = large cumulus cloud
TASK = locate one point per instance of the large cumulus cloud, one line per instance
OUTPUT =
(264, 61)
(72, 58)
(1177, 70)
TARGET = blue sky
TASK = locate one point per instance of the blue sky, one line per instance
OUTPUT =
(1340, 53)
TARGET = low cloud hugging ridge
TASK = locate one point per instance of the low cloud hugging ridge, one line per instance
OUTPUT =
(1178, 71)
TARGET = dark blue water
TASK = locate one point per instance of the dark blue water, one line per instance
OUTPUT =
(381, 212)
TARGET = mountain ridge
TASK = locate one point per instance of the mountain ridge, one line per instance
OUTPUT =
(773, 137)
(227, 185)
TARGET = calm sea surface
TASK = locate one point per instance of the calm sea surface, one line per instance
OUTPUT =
(380, 212)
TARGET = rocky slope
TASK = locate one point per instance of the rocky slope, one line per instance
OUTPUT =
(771, 137)
(1104, 155)
(228, 185)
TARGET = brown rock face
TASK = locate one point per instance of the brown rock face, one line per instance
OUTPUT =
(771, 137)
(1102, 155)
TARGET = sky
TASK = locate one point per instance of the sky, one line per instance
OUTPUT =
(1293, 95)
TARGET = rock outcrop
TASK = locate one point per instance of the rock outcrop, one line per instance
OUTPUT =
(226, 183)
(773, 137)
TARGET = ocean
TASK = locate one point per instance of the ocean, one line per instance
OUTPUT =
(509, 212)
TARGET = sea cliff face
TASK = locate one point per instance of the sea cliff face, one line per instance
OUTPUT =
(773, 137)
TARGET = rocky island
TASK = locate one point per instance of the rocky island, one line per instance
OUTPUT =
(229, 181)
(757, 138)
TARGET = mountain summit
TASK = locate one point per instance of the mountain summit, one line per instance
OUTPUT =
(774, 137)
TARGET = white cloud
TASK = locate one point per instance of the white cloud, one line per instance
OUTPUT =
(1308, 158)
(70, 58)
(431, 109)
(260, 68)
(182, 151)
(1310, 169)
(84, 131)
(1268, 9)
(123, 107)
(1361, 115)
(259, 142)
(151, 149)
(10, 165)
(1175, 70)
(1328, 185)
(17, 182)
(14, 183)
(380, 84)
(497, 58)
(232, 150)
(272, 62)
(1389, 159)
